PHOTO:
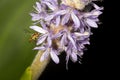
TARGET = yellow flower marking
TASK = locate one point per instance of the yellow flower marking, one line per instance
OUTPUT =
(78, 4)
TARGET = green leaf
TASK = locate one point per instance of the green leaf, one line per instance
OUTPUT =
(16, 52)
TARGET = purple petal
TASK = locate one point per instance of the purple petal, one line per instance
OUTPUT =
(61, 12)
(85, 42)
(49, 41)
(97, 7)
(95, 19)
(62, 6)
(54, 2)
(65, 19)
(49, 17)
(41, 39)
(73, 57)
(43, 24)
(67, 59)
(38, 8)
(91, 23)
(44, 55)
(93, 14)
(80, 54)
(75, 20)
(38, 29)
(81, 34)
(87, 14)
(68, 52)
(35, 16)
(58, 35)
(54, 57)
(69, 49)
(96, 13)
(50, 5)
(40, 48)
(63, 40)
(72, 41)
(57, 21)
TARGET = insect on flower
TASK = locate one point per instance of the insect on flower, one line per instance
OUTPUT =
(34, 36)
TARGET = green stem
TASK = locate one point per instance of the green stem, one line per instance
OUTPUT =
(38, 67)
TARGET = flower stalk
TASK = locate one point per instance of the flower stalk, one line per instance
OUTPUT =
(34, 71)
(38, 67)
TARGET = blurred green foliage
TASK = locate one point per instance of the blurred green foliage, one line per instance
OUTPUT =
(16, 52)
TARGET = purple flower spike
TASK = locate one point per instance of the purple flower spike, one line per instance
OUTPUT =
(65, 26)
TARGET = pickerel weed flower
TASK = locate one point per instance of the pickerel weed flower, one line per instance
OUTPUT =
(64, 25)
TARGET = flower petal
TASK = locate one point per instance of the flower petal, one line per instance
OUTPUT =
(53, 2)
(91, 23)
(63, 41)
(96, 13)
(67, 59)
(39, 48)
(97, 7)
(49, 41)
(61, 12)
(49, 17)
(57, 35)
(75, 20)
(65, 19)
(35, 16)
(38, 8)
(41, 39)
(80, 54)
(87, 14)
(50, 5)
(44, 55)
(54, 57)
(72, 41)
(68, 52)
(81, 34)
(57, 21)
(73, 57)
(43, 24)
(38, 29)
